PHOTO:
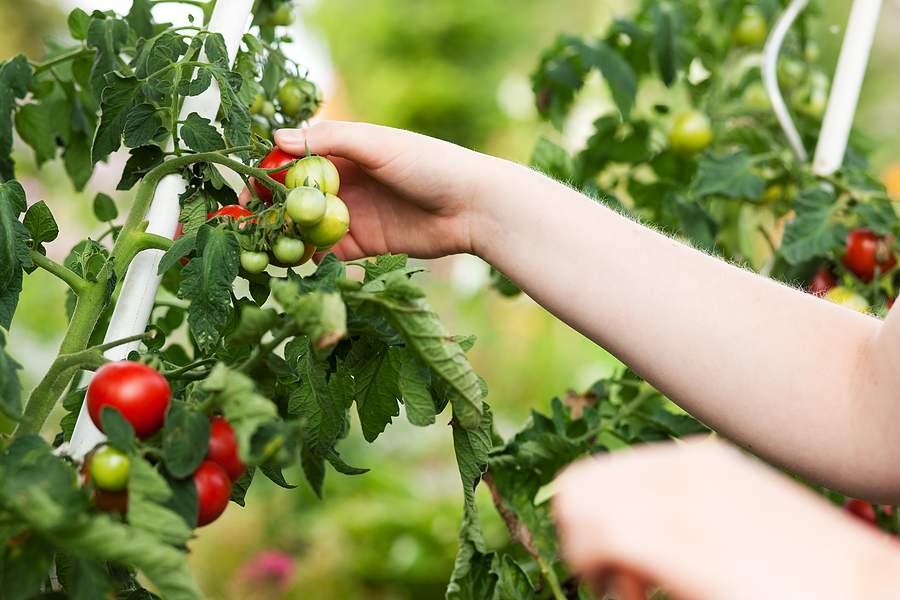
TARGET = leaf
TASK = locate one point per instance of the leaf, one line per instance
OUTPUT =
(40, 223)
(140, 19)
(185, 439)
(200, 135)
(319, 315)
(194, 87)
(313, 471)
(141, 125)
(10, 386)
(23, 570)
(376, 390)
(118, 99)
(810, 232)
(254, 324)
(474, 571)
(472, 448)
(414, 384)
(322, 417)
(208, 281)
(77, 160)
(667, 22)
(180, 248)
(140, 162)
(105, 208)
(512, 581)
(340, 466)
(552, 160)
(157, 53)
(619, 75)
(106, 36)
(118, 430)
(15, 77)
(728, 175)
(35, 129)
(78, 22)
(694, 222)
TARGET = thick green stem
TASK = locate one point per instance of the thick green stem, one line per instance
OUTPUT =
(69, 277)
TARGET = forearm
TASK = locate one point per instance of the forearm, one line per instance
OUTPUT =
(778, 371)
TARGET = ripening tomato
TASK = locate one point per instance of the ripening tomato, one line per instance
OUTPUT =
(276, 158)
(109, 469)
(314, 171)
(282, 17)
(254, 262)
(333, 225)
(234, 212)
(305, 205)
(308, 251)
(223, 449)
(691, 132)
(140, 393)
(865, 250)
(822, 282)
(213, 491)
(860, 509)
(846, 297)
(288, 250)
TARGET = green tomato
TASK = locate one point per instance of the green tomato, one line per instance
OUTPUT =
(257, 105)
(333, 225)
(260, 128)
(267, 110)
(691, 132)
(314, 171)
(109, 469)
(751, 29)
(305, 205)
(288, 250)
(282, 17)
(254, 262)
(290, 98)
(756, 96)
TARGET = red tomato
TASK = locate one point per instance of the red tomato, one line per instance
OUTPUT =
(179, 231)
(223, 448)
(140, 393)
(822, 282)
(865, 250)
(107, 501)
(213, 491)
(275, 158)
(861, 509)
(233, 211)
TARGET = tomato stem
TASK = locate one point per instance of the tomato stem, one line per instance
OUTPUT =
(54, 268)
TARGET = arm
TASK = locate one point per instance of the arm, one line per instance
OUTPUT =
(805, 384)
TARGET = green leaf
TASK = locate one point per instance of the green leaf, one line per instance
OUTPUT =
(140, 19)
(78, 22)
(196, 86)
(141, 125)
(619, 75)
(24, 567)
(40, 223)
(254, 324)
(185, 439)
(14, 253)
(200, 135)
(236, 122)
(811, 232)
(667, 21)
(376, 389)
(157, 53)
(414, 384)
(35, 129)
(208, 281)
(472, 448)
(513, 582)
(694, 222)
(105, 208)
(10, 386)
(729, 175)
(319, 315)
(77, 160)
(15, 77)
(115, 107)
(180, 248)
(340, 466)
(313, 471)
(140, 162)
(118, 430)
(106, 36)
(552, 160)
(214, 46)
(474, 574)
(323, 417)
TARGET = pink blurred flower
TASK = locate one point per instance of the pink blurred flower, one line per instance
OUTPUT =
(269, 572)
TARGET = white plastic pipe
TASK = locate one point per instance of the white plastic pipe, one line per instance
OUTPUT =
(848, 78)
(141, 284)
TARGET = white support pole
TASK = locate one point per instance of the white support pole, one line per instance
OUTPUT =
(848, 78)
(141, 284)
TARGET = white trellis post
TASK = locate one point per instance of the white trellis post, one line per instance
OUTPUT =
(132, 311)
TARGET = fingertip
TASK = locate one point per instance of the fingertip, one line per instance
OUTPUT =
(244, 197)
(292, 141)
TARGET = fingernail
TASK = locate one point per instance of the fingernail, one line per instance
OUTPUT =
(289, 136)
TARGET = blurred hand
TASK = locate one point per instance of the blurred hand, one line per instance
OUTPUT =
(406, 193)
(708, 523)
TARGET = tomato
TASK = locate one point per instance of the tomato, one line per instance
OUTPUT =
(213, 491)
(140, 393)
(273, 160)
(751, 29)
(290, 98)
(860, 509)
(308, 251)
(282, 17)
(257, 104)
(822, 282)
(333, 225)
(179, 231)
(233, 212)
(314, 171)
(288, 250)
(260, 128)
(305, 205)
(107, 501)
(109, 469)
(756, 96)
(223, 448)
(847, 297)
(254, 262)
(691, 132)
(865, 251)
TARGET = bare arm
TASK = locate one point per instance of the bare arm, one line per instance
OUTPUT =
(805, 384)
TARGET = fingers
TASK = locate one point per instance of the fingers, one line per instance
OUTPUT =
(362, 143)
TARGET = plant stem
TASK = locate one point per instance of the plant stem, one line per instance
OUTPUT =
(69, 277)
(551, 578)
(260, 353)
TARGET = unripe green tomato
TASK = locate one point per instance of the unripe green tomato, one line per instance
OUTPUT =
(314, 171)
(257, 105)
(333, 225)
(288, 250)
(109, 469)
(691, 132)
(282, 17)
(756, 96)
(254, 262)
(267, 109)
(305, 205)
(260, 128)
(751, 30)
(290, 99)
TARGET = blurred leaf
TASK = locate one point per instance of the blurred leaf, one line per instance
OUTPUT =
(552, 160)
(729, 175)
(185, 439)
(811, 231)
(34, 127)
(15, 77)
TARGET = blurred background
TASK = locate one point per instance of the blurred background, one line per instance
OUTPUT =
(458, 71)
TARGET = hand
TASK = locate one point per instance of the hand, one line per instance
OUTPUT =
(406, 193)
(707, 523)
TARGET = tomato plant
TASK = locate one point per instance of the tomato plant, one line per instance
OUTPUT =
(109, 469)
(213, 491)
(223, 449)
(865, 251)
(288, 250)
(140, 393)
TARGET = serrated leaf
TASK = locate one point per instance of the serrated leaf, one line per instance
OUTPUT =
(105, 207)
(414, 384)
(180, 248)
(214, 46)
(472, 448)
(158, 52)
(200, 135)
(106, 36)
(322, 417)
(140, 19)
(117, 102)
(198, 85)
(185, 439)
(474, 571)
(140, 162)
(811, 231)
(33, 125)
(141, 125)
(376, 390)
(208, 281)
(729, 175)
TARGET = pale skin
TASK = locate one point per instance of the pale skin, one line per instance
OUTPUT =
(805, 384)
